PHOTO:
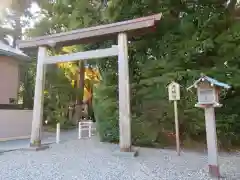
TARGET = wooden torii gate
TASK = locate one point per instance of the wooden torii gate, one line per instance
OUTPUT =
(121, 31)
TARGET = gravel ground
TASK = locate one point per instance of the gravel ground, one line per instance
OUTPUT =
(48, 138)
(91, 160)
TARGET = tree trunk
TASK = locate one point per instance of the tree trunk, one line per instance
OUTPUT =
(80, 88)
(81, 82)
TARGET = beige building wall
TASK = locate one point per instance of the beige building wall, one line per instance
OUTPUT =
(15, 124)
(9, 79)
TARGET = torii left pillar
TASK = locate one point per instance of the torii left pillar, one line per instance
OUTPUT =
(36, 133)
(124, 94)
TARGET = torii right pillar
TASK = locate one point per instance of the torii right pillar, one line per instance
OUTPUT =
(124, 94)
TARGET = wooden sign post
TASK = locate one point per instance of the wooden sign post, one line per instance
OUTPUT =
(208, 90)
(174, 95)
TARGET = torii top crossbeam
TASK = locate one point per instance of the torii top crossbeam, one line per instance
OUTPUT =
(133, 27)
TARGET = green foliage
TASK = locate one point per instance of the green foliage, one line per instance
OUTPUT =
(106, 113)
(13, 20)
(58, 96)
(28, 74)
(190, 39)
(16, 17)
(61, 16)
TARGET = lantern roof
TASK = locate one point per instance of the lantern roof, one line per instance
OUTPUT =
(211, 81)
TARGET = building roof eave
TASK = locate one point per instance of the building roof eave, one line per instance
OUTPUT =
(19, 57)
(6, 50)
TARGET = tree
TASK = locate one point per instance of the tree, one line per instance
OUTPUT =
(59, 13)
(190, 39)
(13, 15)
(14, 18)
(4, 35)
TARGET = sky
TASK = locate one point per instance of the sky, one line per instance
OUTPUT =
(34, 9)
(6, 3)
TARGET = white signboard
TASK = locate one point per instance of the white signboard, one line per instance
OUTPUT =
(174, 91)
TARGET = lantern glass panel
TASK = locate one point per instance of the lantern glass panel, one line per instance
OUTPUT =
(206, 96)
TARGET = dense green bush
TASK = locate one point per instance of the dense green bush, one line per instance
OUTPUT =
(153, 119)
(106, 113)
(152, 115)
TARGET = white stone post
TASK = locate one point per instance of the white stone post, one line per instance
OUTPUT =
(58, 133)
(177, 128)
(124, 95)
(79, 130)
(90, 129)
(38, 99)
(212, 142)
